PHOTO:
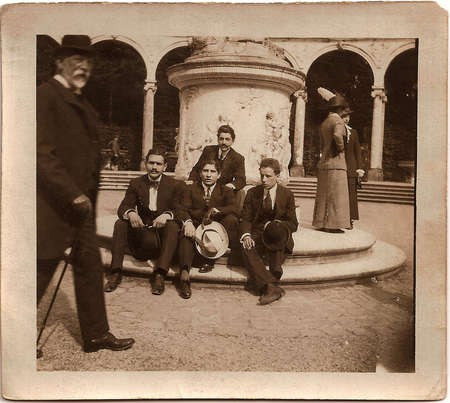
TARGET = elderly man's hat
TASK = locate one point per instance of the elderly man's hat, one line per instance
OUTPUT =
(75, 44)
(275, 235)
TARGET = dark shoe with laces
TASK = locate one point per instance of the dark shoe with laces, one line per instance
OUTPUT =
(112, 281)
(109, 342)
(157, 283)
(272, 294)
(185, 289)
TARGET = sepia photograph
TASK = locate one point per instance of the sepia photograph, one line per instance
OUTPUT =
(227, 201)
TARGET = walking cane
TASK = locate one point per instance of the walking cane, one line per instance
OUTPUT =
(67, 257)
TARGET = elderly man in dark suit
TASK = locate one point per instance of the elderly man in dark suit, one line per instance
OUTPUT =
(231, 163)
(354, 167)
(204, 199)
(150, 201)
(267, 207)
(68, 162)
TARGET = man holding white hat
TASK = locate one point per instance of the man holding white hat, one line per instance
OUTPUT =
(210, 207)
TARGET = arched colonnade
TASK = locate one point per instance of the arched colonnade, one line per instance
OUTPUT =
(301, 54)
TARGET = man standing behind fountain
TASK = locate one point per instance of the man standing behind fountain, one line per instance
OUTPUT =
(231, 163)
(267, 222)
(331, 208)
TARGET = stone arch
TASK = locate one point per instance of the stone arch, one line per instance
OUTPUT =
(292, 60)
(166, 121)
(119, 38)
(163, 52)
(396, 52)
(342, 46)
(344, 71)
(116, 91)
(400, 130)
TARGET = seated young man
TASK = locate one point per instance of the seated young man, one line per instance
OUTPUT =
(150, 201)
(231, 163)
(204, 199)
(267, 221)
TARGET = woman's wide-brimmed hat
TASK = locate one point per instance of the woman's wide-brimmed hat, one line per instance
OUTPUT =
(211, 240)
(75, 44)
(333, 101)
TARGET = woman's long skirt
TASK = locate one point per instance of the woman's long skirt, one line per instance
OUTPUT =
(331, 209)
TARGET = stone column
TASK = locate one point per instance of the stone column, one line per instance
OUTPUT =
(297, 168)
(376, 150)
(147, 121)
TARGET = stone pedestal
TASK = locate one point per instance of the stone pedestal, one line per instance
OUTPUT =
(240, 82)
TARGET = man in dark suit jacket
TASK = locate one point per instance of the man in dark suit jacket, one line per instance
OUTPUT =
(204, 199)
(150, 200)
(264, 204)
(68, 162)
(231, 163)
(354, 167)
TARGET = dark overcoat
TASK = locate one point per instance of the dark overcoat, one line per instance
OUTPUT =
(284, 210)
(232, 167)
(68, 163)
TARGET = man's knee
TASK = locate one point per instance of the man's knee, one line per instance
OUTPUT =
(230, 221)
(121, 226)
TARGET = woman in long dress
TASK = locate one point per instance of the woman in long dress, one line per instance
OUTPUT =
(331, 208)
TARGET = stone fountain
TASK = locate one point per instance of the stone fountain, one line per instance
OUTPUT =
(246, 83)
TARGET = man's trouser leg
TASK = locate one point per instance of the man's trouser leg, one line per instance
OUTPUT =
(88, 279)
(258, 273)
(119, 245)
(276, 259)
(186, 253)
(169, 242)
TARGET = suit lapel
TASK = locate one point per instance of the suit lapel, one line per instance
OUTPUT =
(144, 189)
(162, 190)
(278, 201)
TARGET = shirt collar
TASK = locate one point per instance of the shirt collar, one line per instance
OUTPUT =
(154, 180)
(63, 81)
(210, 187)
(223, 154)
(273, 191)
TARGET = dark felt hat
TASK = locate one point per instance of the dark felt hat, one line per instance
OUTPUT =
(75, 44)
(275, 235)
(144, 243)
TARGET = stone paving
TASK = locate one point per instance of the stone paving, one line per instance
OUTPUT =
(359, 327)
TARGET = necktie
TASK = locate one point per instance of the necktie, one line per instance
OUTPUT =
(154, 184)
(267, 203)
(207, 196)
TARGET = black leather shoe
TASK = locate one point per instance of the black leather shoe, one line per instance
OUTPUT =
(113, 281)
(206, 268)
(185, 289)
(157, 283)
(107, 341)
(272, 294)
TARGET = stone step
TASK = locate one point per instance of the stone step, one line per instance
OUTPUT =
(382, 259)
(310, 245)
(379, 192)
